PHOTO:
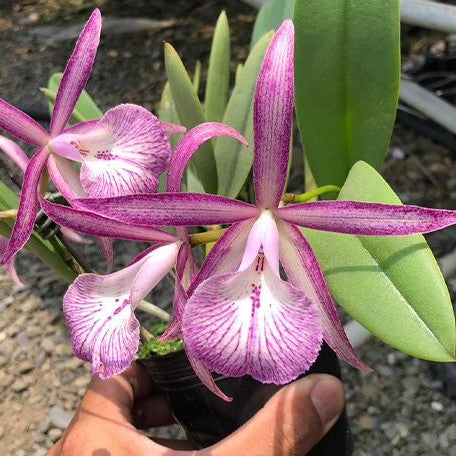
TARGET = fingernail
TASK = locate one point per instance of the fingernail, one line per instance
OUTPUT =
(326, 398)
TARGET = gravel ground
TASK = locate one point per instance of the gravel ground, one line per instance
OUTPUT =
(399, 409)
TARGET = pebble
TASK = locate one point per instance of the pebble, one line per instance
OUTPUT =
(437, 406)
(21, 384)
(47, 344)
(60, 418)
(24, 367)
(5, 379)
(54, 434)
(367, 422)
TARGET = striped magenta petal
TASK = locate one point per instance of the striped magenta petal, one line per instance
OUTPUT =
(124, 153)
(10, 267)
(252, 323)
(273, 118)
(100, 310)
(304, 272)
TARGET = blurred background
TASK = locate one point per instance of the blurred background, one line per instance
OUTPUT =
(404, 407)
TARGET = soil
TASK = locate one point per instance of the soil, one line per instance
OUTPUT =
(399, 409)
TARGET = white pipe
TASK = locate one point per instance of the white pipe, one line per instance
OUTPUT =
(429, 104)
(429, 14)
(423, 13)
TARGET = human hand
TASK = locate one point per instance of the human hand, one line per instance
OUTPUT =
(112, 410)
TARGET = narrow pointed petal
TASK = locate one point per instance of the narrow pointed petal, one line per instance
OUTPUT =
(99, 311)
(182, 281)
(77, 73)
(14, 152)
(304, 272)
(21, 125)
(107, 249)
(74, 237)
(171, 209)
(190, 143)
(226, 254)
(96, 225)
(273, 118)
(206, 378)
(252, 323)
(367, 219)
(10, 265)
(171, 129)
(65, 177)
(28, 205)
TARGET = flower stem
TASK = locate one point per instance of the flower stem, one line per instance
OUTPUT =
(206, 237)
(10, 213)
(304, 197)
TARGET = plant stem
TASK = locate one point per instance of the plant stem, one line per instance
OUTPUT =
(206, 237)
(304, 197)
(10, 213)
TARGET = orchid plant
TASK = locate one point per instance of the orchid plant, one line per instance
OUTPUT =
(259, 303)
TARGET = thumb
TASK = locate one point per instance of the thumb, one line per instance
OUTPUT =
(291, 423)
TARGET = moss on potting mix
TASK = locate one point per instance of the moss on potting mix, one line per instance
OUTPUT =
(154, 346)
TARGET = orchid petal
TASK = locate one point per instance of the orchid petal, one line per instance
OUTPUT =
(10, 265)
(14, 152)
(107, 249)
(171, 129)
(226, 254)
(158, 263)
(125, 153)
(265, 235)
(303, 270)
(191, 142)
(273, 118)
(21, 125)
(367, 219)
(171, 209)
(74, 237)
(89, 223)
(28, 205)
(77, 73)
(203, 373)
(103, 327)
(65, 177)
(99, 311)
(252, 322)
(183, 278)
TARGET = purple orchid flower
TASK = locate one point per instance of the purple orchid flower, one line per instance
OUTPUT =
(100, 309)
(122, 153)
(241, 316)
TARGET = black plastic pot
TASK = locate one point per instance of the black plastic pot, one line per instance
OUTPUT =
(207, 419)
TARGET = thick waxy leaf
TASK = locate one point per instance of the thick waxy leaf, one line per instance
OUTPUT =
(392, 286)
(271, 15)
(86, 108)
(218, 75)
(234, 160)
(347, 79)
(190, 113)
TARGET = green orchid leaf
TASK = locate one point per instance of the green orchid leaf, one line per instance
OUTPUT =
(190, 113)
(197, 76)
(218, 75)
(43, 250)
(270, 17)
(233, 159)
(238, 73)
(167, 113)
(8, 199)
(347, 82)
(85, 109)
(392, 286)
